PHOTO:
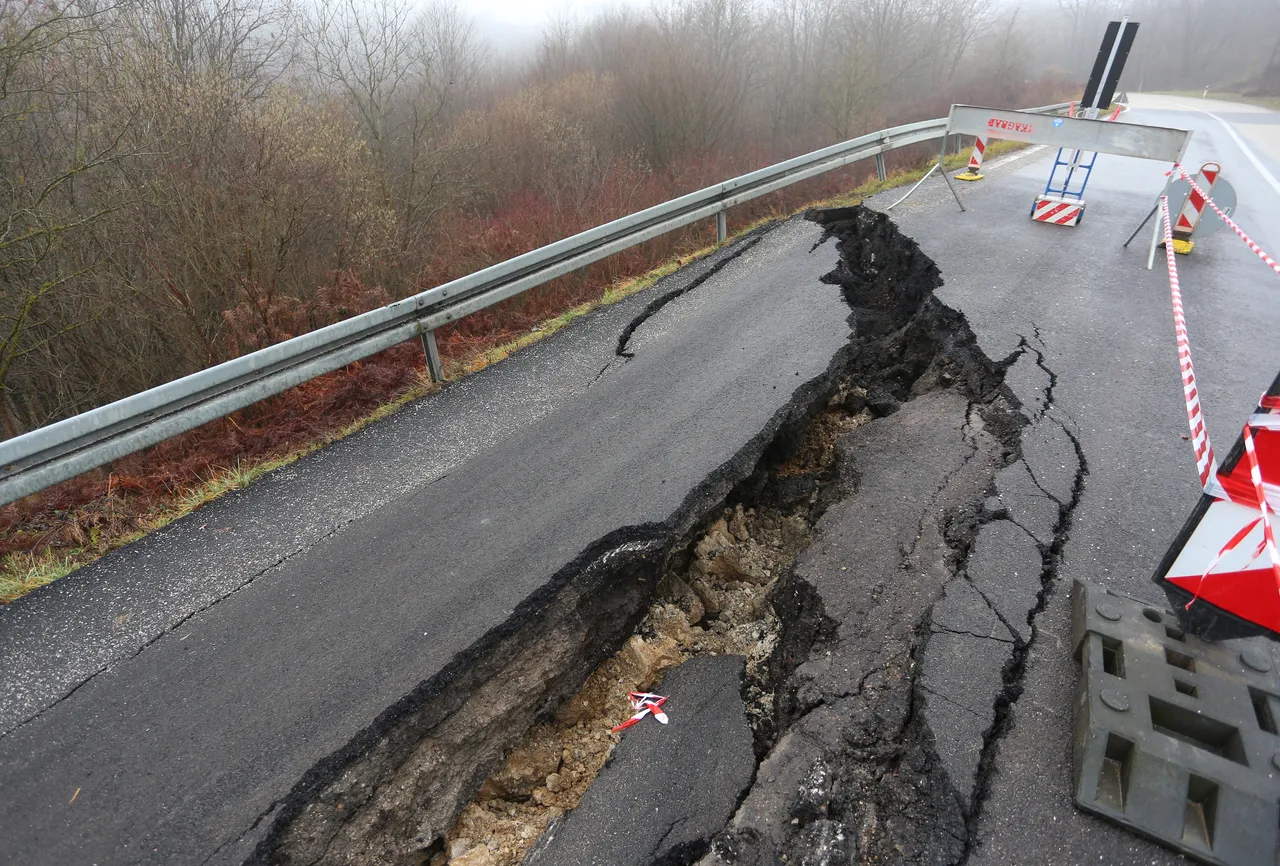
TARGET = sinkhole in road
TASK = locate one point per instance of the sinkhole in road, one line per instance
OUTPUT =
(717, 595)
(471, 771)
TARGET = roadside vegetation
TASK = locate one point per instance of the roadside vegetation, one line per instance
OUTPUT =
(185, 181)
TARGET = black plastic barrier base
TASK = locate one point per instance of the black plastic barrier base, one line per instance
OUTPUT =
(1176, 737)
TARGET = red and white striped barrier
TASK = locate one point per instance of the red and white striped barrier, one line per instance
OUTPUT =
(1056, 206)
(1056, 211)
(975, 159)
(1189, 218)
(1196, 190)
(1236, 578)
(973, 170)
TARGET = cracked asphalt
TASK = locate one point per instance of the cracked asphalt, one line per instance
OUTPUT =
(1096, 362)
(162, 705)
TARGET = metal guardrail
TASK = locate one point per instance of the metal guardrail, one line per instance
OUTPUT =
(36, 460)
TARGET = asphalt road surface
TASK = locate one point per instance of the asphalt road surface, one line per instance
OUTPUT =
(1106, 326)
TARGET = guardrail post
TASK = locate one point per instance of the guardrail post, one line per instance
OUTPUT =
(880, 172)
(432, 352)
(722, 227)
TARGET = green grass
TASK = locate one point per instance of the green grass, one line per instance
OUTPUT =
(22, 572)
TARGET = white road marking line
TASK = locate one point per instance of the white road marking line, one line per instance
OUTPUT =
(1019, 155)
(1262, 169)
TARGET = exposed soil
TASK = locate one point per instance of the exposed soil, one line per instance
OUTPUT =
(717, 596)
(474, 774)
(719, 603)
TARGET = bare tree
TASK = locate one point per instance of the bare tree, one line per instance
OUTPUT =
(555, 55)
(957, 24)
(683, 72)
(1006, 53)
(401, 73)
(800, 40)
(47, 149)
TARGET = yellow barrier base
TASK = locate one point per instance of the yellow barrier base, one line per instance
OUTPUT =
(968, 175)
(1183, 248)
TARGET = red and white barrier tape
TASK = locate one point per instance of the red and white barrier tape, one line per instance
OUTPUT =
(1271, 263)
(1255, 474)
(644, 703)
(1206, 463)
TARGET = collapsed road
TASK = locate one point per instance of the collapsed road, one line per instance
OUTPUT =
(327, 666)
(235, 733)
(900, 503)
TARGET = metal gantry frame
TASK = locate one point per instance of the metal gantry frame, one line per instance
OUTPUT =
(35, 460)
(1082, 134)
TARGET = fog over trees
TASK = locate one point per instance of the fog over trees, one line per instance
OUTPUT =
(182, 181)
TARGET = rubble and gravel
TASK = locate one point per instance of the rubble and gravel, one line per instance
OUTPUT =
(712, 601)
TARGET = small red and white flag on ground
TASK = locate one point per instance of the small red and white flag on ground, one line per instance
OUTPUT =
(644, 703)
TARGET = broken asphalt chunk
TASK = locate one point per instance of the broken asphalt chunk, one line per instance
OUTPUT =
(667, 789)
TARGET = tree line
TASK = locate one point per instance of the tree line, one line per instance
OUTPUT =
(183, 181)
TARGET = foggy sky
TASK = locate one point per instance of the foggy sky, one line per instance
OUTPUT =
(508, 25)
